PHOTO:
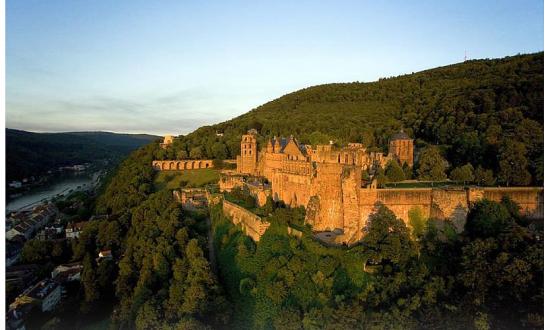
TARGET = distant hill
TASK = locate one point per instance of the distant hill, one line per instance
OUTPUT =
(29, 153)
(478, 112)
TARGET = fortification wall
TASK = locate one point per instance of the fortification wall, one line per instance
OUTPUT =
(529, 199)
(325, 201)
(451, 204)
(251, 224)
(259, 192)
(293, 189)
(181, 165)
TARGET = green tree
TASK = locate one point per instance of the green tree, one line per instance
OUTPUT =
(36, 251)
(487, 218)
(88, 280)
(219, 150)
(394, 172)
(463, 173)
(484, 177)
(196, 153)
(388, 238)
(417, 221)
(431, 165)
(181, 154)
(513, 164)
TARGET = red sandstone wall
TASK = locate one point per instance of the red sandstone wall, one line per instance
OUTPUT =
(529, 199)
(251, 224)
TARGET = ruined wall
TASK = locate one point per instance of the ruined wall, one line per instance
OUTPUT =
(251, 224)
(293, 189)
(325, 208)
(191, 198)
(228, 182)
(259, 192)
(181, 165)
(351, 183)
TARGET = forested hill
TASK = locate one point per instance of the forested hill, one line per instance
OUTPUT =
(29, 154)
(478, 112)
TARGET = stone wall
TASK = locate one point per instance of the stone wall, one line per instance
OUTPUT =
(260, 192)
(191, 198)
(181, 165)
(529, 199)
(229, 181)
(251, 224)
(451, 204)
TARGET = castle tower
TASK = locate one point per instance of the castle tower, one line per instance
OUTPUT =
(168, 140)
(246, 163)
(402, 147)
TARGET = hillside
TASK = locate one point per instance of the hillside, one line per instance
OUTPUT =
(29, 154)
(477, 112)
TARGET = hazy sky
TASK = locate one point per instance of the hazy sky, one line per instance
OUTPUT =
(172, 66)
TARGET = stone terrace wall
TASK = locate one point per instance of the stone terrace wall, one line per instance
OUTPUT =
(399, 201)
(180, 165)
(452, 204)
(529, 199)
(251, 224)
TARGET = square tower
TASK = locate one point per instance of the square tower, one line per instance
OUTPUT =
(248, 159)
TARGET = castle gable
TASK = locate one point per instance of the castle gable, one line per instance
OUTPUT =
(292, 148)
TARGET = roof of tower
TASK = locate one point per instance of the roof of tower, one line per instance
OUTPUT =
(400, 136)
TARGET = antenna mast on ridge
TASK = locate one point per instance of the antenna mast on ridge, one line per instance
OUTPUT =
(465, 58)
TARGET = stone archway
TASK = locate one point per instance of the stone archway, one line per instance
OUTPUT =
(165, 165)
(181, 166)
(172, 165)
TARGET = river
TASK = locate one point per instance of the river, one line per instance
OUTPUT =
(68, 182)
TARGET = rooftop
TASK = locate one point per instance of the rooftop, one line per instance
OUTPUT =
(400, 136)
(42, 289)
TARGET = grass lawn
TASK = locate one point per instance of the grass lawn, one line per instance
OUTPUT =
(185, 179)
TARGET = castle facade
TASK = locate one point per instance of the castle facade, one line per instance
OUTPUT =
(327, 181)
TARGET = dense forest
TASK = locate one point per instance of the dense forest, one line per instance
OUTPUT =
(486, 113)
(424, 277)
(33, 154)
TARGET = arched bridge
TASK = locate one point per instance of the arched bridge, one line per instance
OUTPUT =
(181, 165)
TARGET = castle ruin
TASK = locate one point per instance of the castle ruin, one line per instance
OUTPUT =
(327, 181)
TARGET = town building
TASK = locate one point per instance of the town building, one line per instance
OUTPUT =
(67, 272)
(27, 223)
(74, 229)
(105, 254)
(46, 294)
